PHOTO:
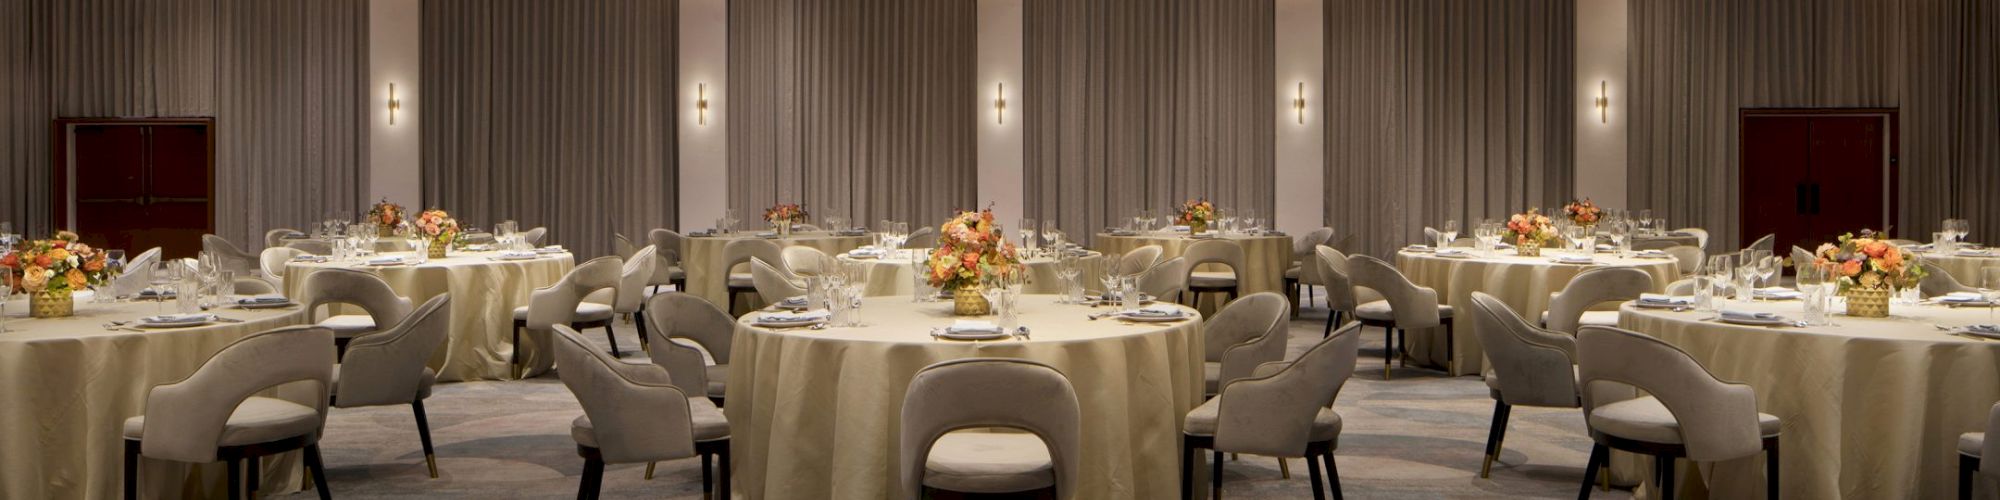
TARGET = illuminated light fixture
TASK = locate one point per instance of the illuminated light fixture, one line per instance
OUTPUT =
(1000, 103)
(1299, 103)
(394, 103)
(701, 103)
(1603, 103)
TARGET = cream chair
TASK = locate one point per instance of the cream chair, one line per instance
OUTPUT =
(1282, 410)
(1430, 235)
(1681, 287)
(623, 247)
(740, 252)
(272, 262)
(633, 413)
(562, 303)
(630, 296)
(1687, 259)
(1302, 275)
(1166, 280)
(923, 237)
(138, 274)
(315, 247)
(1139, 260)
(1937, 282)
(990, 392)
(378, 302)
(1342, 297)
(1700, 236)
(228, 257)
(1224, 252)
(774, 285)
(533, 237)
(1405, 306)
(683, 316)
(1570, 307)
(805, 261)
(387, 368)
(213, 414)
(1653, 244)
(1529, 367)
(1768, 243)
(1689, 414)
(668, 245)
(276, 237)
(1972, 448)
(1246, 333)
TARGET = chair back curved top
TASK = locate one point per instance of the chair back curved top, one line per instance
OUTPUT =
(184, 419)
(924, 237)
(668, 244)
(312, 246)
(636, 413)
(679, 315)
(1717, 420)
(1700, 236)
(228, 256)
(1247, 332)
(276, 237)
(740, 252)
(632, 280)
(356, 287)
(990, 392)
(533, 237)
(1937, 282)
(1430, 235)
(138, 273)
(623, 247)
(1272, 414)
(1991, 446)
(1687, 259)
(1592, 287)
(1415, 307)
(1225, 252)
(556, 304)
(1139, 260)
(387, 367)
(1681, 287)
(773, 284)
(1333, 275)
(1534, 366)
(1768, 243)
(1303, 245)
(272, 263)
(1166, 280)
(805, 261)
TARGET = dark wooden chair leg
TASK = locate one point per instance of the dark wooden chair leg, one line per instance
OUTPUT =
(514, 359)
(707, 477)
(722, 459)
(1402, 347)
(1966, 466)
(1450, 349)
(1187, 470)
(131, 470)
(252, 466)
(639, 319)
(1217, 479)
(316, 466)
(613, 337)
(1501, 410)
(1771, 471)
(1663, 467)
(1331, 318)
(1332, 475)
(424, 433)
(235, 478)
(1599, 454)
(1312, 465)
(593, 471)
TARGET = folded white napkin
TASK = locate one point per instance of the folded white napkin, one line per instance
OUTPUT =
(1156, 311)
(1661, 299)
(177, 318)
(309, 258)
(1417, 248)
(1962, 297)
(1983, 329)
(767, 234)
(479, 247)
(550, 249)
(1748, 315)
(1503, 246)
(1573, 259)
(1606, 248)
(793, 301)
(1180, 229)
(1452, 252)
(384, 261)
(974, 326)
(263, 299)
(1777, 292)
(868, 251)
(1651, 253)
(789, 317)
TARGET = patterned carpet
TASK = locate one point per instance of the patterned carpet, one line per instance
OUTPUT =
(1419, 435)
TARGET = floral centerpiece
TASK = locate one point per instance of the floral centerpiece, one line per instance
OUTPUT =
(49, 270)
(1868, 269)
(386, 216)
(1531, 230)
(783, 215)
(970, 248)
(1583, 213)
(1196, 214)
(437, 226)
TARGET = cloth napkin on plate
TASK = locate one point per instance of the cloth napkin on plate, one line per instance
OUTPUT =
(1963, 297)
(1968, 252)
(262, 300)
(550, 249)
(789, 317)
(1156, 311)
(867, 252)
(1983, 330)
(1452, 252)
(1665, 300)
(1417, 248)
(1572, 259)
(386, 261)
(1776, 292)
(974, 326)
(1740, 315)
(1652, 253)
(517, 254)
(177, 318)
(309, 258)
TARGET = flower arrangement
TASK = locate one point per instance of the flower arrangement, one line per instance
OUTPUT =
(437, 225)
(1531, 228)
(1196, 214)
(1869, 262)
(49, 270)
(385, 213)
(785, 212)
(969, 248)
(1583, 213)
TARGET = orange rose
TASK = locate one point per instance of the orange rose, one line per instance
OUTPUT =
(1892, 260)
(12, 260)
(1875, 248)
(94, 265)
(1850, 268)
(77, 281)
(43, 260)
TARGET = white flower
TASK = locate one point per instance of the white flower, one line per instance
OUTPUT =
(72, 261)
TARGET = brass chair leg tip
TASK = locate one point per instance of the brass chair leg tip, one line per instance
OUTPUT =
(431, 461)
(1486, 467)
(649, 470)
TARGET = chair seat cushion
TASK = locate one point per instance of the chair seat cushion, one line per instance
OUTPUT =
(1201, 421)
(1971, 443)
(741, 281)
(1591, 318)
(1211, 374)
(709, 424)
(585, 311)
(1293, 273)
(257, 420)
(1645, 419)
(989, 462)
(423, 385)
(1379, 310)
(347, 326)
(718, 378)
(1212, 279)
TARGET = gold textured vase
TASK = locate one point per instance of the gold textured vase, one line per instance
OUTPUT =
(51, 305)
(966, 301)
(1197, 227)
(438, 248)
(1528, 249)
(385, 230)
(783, 228)
(1868, 302)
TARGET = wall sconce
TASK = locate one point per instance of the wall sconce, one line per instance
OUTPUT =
(1299, 103)
(1603, 103)
(1000, 103)
(701, 104)
(394, 103)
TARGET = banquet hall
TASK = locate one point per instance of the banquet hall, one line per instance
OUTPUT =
(1061, 249)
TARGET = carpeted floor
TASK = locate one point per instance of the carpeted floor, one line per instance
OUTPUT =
(1420, 435)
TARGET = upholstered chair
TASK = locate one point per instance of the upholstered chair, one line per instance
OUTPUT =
(622, 246)
(272, 262)
(1342, 297)
(740, 252)
(1972, 448)
(1166, 280)
(1430, 235)
(1768, 243)
(1529, 367)
(923, 237)
(1653, 244)
(990, 392)
(533, 237)
(1937, 282)
(669, 245)
(253, 285)
(1681, 287)
(806, 261)
(630, 296)
(1687, 259)
(1224, 252)
(683, 316)
(1302, 275)
(1700, 235)
(1405, 306)
(634, 413)
(1570, 307)
(138, 274)
(276, 237)
(774, 284)
(562, 303)
(214, 415)
(379, 303)
(1281, 410)
(1689, 413)
(228, 256)
(312, 246)
(387, 368)
(1139, 260)
(1246, 333)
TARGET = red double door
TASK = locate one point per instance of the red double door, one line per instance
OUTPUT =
(134, 184)
(1810, 175)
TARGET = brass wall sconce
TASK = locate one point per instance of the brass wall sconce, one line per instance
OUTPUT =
(1603, 102)
(394, 103)
(701, 103)
(1299, 103)
(1000, 103)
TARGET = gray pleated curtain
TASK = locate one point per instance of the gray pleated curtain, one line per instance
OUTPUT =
(285, 81)
(1696, 63)
(1143, 104)
(1445, 110)
(863, 109)
(555, 114)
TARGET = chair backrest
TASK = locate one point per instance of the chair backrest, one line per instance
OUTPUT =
(1592, 287)
(1653, 244)
(1683, 287)
(1415, 307)
(312, 246)
(990, 392)
(276, 237)
(923, 237)
(228, 256)
(805, 261)
(1718, 420)
(1937, 282)
(184, 419)
(1333, 275)
(556, 304)
(1247, 332)
(623, 247)
(138, 273)
(1767, 243)
(387, 367)
(743, 249)
(1430, 235)
(680, 315)
(355, 287)
(1534, 366)
(669, 244)
(1687, 258)
(1303, 245)
(1991, 447)
(1700, 236)
(773, 284)
(1273, 414)
(1139, 260)
(272, 261)
(636, 413)
(1223, 252)
(632, 279)
(1166, 280)
(533, 237)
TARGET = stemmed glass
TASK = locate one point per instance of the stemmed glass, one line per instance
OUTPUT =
(1991, 290)
(1050, 233)
(920, 288)
(1767, 266)
(1066, 269)
(161, 280)
(1448, 233)
(1027, 233)
(1718, 270)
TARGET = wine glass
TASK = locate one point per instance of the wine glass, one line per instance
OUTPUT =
(1991, 290)
(1050, 233)
(161, 280)
(1767, 266)
(1026, 231)
(1448, 233)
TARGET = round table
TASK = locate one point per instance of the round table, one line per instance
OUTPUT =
(1523, 283)
(72, 382)
(891, 275)
(814, 413)
(1265, 258)
(1964, 268)
(484, 292)
(1872, 408)
(704, 262)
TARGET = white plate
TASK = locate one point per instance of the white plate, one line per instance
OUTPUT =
(1968, 331)
(992, 335)
(1455, 255)
(517, 257)
(1657, 305)
(267, 305)
(178, 324)
(863, 256)
(1781, 320)
(1154, 319)
(787, 324)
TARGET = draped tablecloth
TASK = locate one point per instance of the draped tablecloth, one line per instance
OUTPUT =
(1872, 407)
(1265, 257)
(1523, 283)
(704, 261)
(1676, 239)
(484, 293)
(1965, 268)
(71, 383)
(814, 413)
(892, 276)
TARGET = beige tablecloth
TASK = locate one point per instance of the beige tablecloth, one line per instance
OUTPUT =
(1965, 269)
(1265, 257)
(814, 414)
(1872, 408)
(704, 261)
(484, 293)
(1687, 240)
(892, 276)
(1523, 283)
(70, 384)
